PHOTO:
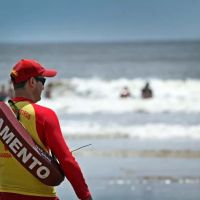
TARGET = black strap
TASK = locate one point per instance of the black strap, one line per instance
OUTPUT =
(17, 110)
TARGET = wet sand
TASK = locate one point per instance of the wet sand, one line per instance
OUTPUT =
(130, 169)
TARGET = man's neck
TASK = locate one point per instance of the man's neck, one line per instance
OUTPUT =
(24, 94)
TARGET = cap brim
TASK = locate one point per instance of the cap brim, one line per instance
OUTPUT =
(49, 73)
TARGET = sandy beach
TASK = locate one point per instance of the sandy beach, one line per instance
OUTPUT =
(134, 169)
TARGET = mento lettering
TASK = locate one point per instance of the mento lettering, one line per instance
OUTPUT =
(18, 150)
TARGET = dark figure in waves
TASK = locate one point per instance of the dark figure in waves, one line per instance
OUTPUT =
(3, 93)
(146, 91)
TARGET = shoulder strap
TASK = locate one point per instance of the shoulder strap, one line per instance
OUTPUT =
(17, 110)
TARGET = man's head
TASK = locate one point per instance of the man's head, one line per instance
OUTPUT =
(28, 78)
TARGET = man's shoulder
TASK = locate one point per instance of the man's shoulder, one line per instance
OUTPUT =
(42, 109)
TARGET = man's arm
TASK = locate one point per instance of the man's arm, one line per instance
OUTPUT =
(56, 142)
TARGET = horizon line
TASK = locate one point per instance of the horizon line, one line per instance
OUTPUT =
(100, 41)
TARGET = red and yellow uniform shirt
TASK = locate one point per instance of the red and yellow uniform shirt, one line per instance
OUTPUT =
(43, 126)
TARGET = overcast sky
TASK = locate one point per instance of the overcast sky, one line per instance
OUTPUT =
(96, 20)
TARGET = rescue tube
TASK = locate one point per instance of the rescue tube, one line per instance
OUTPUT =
(21, 145)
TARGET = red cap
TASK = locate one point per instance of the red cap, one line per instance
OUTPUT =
(26, 69)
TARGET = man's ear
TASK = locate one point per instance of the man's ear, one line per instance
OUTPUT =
(31, 82)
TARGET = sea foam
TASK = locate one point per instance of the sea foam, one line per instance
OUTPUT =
(96, 95)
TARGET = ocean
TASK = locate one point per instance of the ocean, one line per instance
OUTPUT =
(141, 148)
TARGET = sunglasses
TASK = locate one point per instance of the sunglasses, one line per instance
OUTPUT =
(40, 79)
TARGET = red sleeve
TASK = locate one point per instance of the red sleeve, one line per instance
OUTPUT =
(53, 138)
